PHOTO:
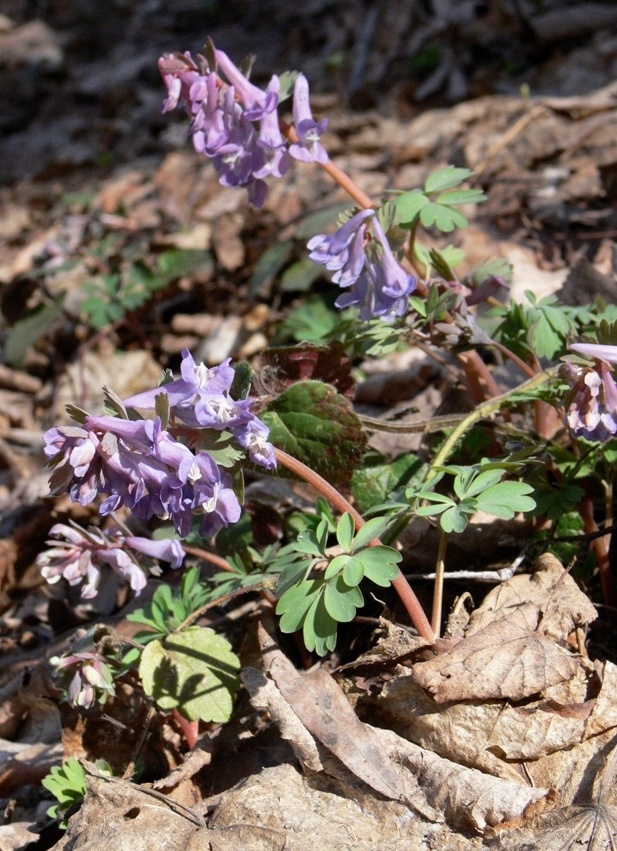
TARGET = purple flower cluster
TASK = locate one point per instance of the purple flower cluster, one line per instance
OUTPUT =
(144, 467)
(201, 398)
(365, 267)
(591, 406)
(236, 123)
(79, 555)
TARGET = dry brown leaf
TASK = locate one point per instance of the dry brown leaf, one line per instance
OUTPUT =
(508, 658)
(323, 709)
(432, 785)
(589, 824)
(553, 591)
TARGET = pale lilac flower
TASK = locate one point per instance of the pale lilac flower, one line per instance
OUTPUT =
(343, 250)
(140, 465)
(591, 405)
(88, 677)
(308, 148)
(276, 157)
(77, 554)
(256, 102)
(596, 350)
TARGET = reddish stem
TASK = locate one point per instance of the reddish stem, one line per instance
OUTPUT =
(190, 729)
(337, 174)
(601, 549)
(400, 584)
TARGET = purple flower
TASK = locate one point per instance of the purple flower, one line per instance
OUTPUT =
(596, 350)
(256, 102)
(308, 148)
(342, 251)
(276, 157)
(591, 405)
(201, 399)
(373, 277)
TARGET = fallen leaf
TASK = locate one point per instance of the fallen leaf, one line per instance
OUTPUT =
(508, 658)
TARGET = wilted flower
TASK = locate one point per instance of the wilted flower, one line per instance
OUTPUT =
(591, 406)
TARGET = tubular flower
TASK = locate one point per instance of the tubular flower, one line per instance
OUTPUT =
(77, 554)
(308, 148)
(202, 399)
(591, 405)
(236, 123)
(87, 676)
(373, 278)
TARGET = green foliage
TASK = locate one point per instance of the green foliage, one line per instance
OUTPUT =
(315, 321)
(434, 206)
(112, 295)
(317, 604)
(169, 608)
(476, 488)
(316, 425)
(25, 333)
(544, 327)
(377, 478)
(67, 783)
(194, 671)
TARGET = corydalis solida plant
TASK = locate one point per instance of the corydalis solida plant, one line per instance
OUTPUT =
(237, 125)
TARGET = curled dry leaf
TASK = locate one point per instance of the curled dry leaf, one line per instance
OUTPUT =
(510, 657)
(564, 606)
(433, 786)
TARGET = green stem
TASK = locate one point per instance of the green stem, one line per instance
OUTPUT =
(485, 409)
(438, 588)
(400, 584)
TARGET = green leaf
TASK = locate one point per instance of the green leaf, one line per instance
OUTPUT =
(481, 482)
(408, 205)
(40, 321)
(454, 520)
(373, 528)
(380, 564)
(320, 629)
(444, 218)
(455, 197)
(296, 602)
(194, 671)
(353, 572)
(340, 600)
(374, 481)
(445, 178)
(313, 322)
(317, 426)
(344, 531)
(506, 499)
(269, 265)
(337, 565)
